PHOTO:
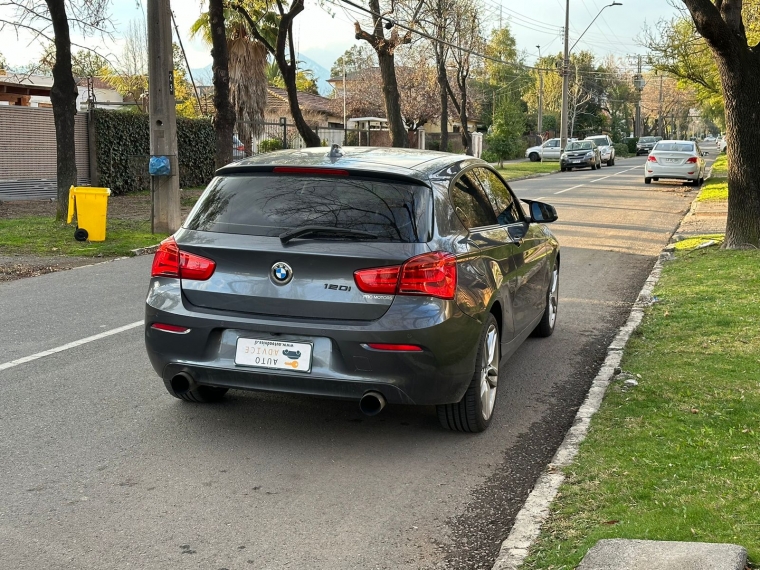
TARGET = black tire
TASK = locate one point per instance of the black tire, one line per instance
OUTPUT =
(562, 169)
(549, 319)
(468, 415)
(611, 162)
(197, 393)
(533, 156)
(647, 180)
(80, 234)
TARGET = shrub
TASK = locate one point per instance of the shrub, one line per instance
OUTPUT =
(621, 150)
(631, 142)
(122, 142)
(269, 145)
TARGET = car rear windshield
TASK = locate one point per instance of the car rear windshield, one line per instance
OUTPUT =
(268, 205)
(675, 147)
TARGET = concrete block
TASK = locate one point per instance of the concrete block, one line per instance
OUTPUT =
(623, 554)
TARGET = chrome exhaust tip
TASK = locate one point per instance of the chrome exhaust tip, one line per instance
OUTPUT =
(372, 403)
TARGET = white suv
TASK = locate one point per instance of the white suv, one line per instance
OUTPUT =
(605, 147)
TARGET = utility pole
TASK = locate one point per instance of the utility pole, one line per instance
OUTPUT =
(660, 118)
(540, 126)
(639, 83)
(565, 80)
(165, 214)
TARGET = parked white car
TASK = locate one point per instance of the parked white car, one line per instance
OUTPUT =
(606, 148)
(678, 160)
(550, 150)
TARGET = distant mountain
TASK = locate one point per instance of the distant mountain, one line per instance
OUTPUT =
(203, 75)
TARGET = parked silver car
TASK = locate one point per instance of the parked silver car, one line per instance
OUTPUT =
(679, 160)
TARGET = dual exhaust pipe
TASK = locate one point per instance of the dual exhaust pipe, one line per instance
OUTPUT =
(371, 403)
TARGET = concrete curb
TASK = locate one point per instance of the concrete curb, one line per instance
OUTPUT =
(528, 522)
(149, 250)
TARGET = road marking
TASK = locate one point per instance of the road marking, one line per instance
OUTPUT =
(597, 180)
(74, 344)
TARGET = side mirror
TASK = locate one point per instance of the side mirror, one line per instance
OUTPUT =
(542, 213)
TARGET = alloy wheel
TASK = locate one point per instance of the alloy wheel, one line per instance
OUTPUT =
(554, 297)
(490, 371)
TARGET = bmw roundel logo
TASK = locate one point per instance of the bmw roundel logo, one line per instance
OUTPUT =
(281, 273)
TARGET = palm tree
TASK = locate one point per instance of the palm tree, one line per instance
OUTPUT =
(247, 66)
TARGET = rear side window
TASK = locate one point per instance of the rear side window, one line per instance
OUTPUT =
(471, 203)
(500, 196)
(268, 205)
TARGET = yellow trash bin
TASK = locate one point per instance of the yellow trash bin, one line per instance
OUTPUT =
(91, 206)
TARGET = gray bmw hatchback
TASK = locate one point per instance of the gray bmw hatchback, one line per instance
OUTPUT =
(374, 274)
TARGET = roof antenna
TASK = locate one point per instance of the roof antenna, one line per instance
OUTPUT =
(335, 151)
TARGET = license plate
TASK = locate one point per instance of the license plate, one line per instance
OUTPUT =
(577, 161)
(274, 354)
(671, 160)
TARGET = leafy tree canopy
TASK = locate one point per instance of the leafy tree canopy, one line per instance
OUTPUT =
(357, 57)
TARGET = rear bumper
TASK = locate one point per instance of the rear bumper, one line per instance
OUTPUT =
(690, 172)
(341, 366)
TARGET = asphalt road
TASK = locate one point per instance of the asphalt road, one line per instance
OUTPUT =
(101, 468)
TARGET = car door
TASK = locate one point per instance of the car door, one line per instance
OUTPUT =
(551, 149)
(489, 240)
(527, 273)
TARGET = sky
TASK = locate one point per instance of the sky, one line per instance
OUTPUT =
(325, 30)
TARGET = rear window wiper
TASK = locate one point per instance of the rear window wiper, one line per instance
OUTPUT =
(324, 231)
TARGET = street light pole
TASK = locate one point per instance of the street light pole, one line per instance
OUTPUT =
(566, 66)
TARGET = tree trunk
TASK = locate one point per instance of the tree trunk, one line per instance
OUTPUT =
(466, 136)
(63, 96)
(392, 99)
(289, 72)
(442, 82)
(722, 27)
(741, 90)
(224, 119)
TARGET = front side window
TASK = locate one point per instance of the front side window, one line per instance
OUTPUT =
(503, 201)
(268, 205)
(551, 144)
(471, 202)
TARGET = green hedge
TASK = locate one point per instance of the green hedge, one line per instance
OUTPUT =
(622, 150)
(123, 150)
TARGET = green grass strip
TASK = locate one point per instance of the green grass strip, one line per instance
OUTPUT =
(716, 187)
(513, 170)
(678, 456)
(44, 236)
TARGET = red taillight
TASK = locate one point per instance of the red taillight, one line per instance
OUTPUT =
(310, 171)
(433, 274)
(382, 280)
(393, 347)
(691, 160)
(169, 261)
(170, 328)
(240, 147)
(651, 158)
